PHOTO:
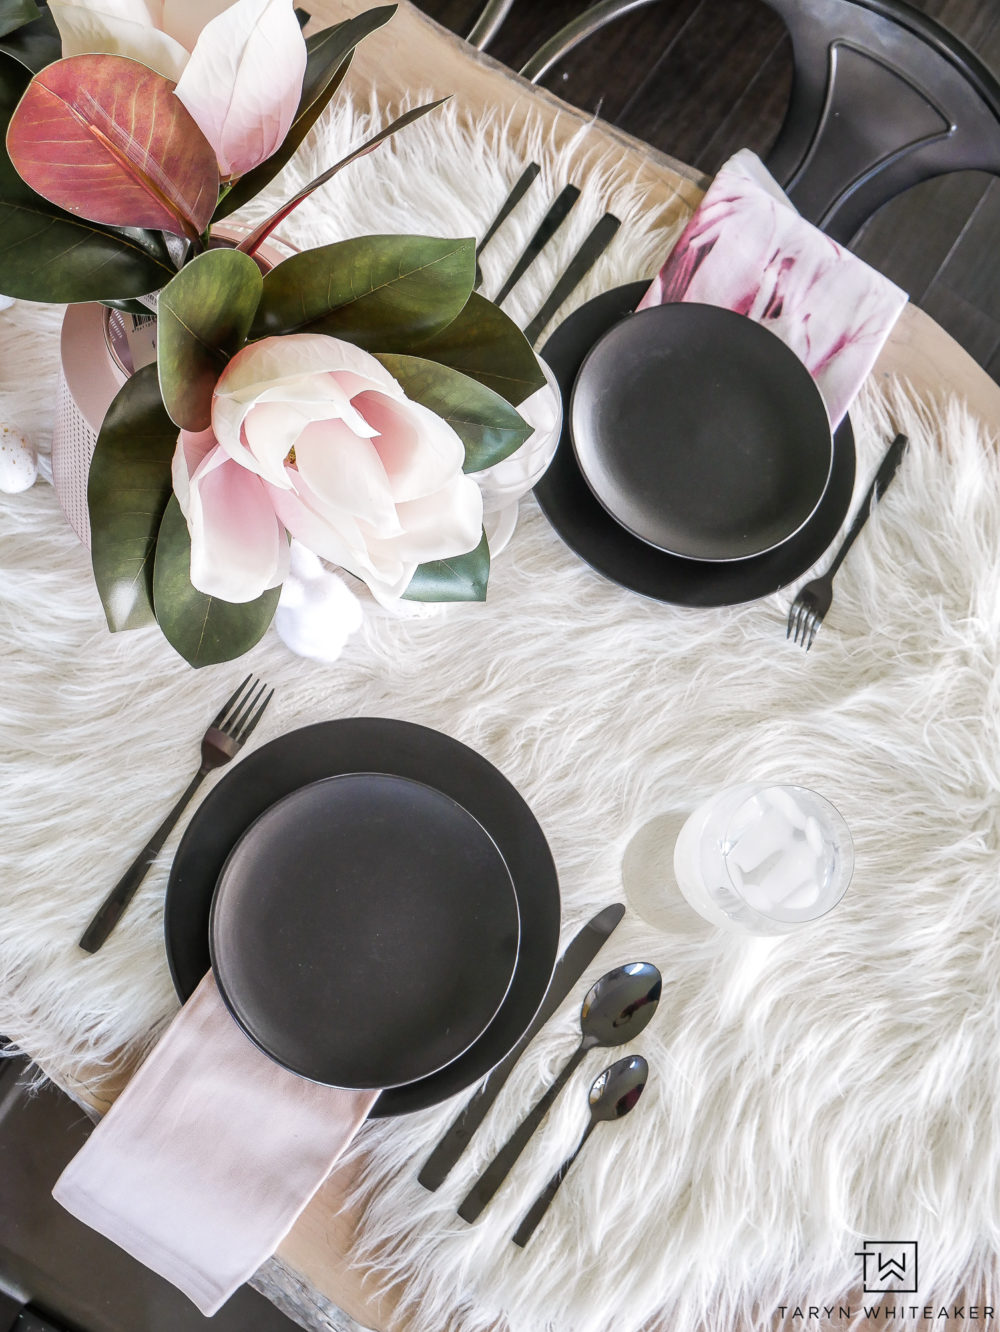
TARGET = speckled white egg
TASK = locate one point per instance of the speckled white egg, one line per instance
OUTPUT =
(18, 461)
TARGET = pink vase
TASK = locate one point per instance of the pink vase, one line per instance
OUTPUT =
(100, 348)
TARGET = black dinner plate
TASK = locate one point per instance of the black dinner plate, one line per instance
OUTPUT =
(700, 431)
(404, 749)
(364, 931)
(590, 531)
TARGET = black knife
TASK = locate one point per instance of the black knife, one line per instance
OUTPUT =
(568, 970)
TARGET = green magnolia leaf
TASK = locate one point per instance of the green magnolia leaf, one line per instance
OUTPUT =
(204, 630)
(487, 424)
(203, 317)
(49, 255)
(129, 307)
(328, 57)
(15, 14)
(486, 344)
(383, 293)
(127, 491)
(36, 44)
(462, 578)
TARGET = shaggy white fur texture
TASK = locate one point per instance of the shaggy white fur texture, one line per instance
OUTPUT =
(806, 1093)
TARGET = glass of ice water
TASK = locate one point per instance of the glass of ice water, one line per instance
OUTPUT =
(761, 859)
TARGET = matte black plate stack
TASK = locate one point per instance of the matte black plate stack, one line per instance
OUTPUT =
(364, 745)
(589, 529)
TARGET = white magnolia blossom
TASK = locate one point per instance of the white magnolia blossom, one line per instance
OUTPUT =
(312, 437)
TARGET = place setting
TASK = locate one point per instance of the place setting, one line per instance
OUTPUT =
(707, 457)
(362, 919)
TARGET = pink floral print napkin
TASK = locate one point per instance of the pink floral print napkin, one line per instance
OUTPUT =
(747, 249)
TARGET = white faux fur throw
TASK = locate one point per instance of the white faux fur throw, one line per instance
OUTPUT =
(806, 1094)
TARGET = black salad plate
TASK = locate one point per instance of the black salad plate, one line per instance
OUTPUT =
(700, 431)
(364, 931)
(402, 749)
(589, 530)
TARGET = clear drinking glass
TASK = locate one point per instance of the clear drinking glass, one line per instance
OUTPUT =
(763, 859)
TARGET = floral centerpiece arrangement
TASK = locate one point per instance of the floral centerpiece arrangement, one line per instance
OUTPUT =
(343, 398)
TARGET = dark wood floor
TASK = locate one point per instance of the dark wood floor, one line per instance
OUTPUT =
(701, 78)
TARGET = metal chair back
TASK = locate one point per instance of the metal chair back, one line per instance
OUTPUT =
(883, 97)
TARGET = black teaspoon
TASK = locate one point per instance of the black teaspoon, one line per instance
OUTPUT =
(613, 1094)
(615, 1010)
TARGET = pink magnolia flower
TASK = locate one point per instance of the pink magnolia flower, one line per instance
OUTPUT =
(238, 66)
(311, 437)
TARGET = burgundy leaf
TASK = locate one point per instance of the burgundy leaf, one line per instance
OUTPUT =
(105, 138)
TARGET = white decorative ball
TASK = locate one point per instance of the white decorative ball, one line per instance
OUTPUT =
(18, 461)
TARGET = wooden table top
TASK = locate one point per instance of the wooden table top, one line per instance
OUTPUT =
(317, 1247)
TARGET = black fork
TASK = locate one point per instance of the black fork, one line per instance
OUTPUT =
(223, 740)
(808, 611)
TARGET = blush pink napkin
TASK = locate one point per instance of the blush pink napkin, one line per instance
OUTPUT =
(205, 1161)
(747, 249)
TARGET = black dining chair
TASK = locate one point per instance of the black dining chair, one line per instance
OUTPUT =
(58, 1275)
(883, 97)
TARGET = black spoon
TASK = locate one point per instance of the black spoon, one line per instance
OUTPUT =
(613, 1094)
(616, 1009)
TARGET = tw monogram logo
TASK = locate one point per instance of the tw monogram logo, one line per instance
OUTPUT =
(889, 1266)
